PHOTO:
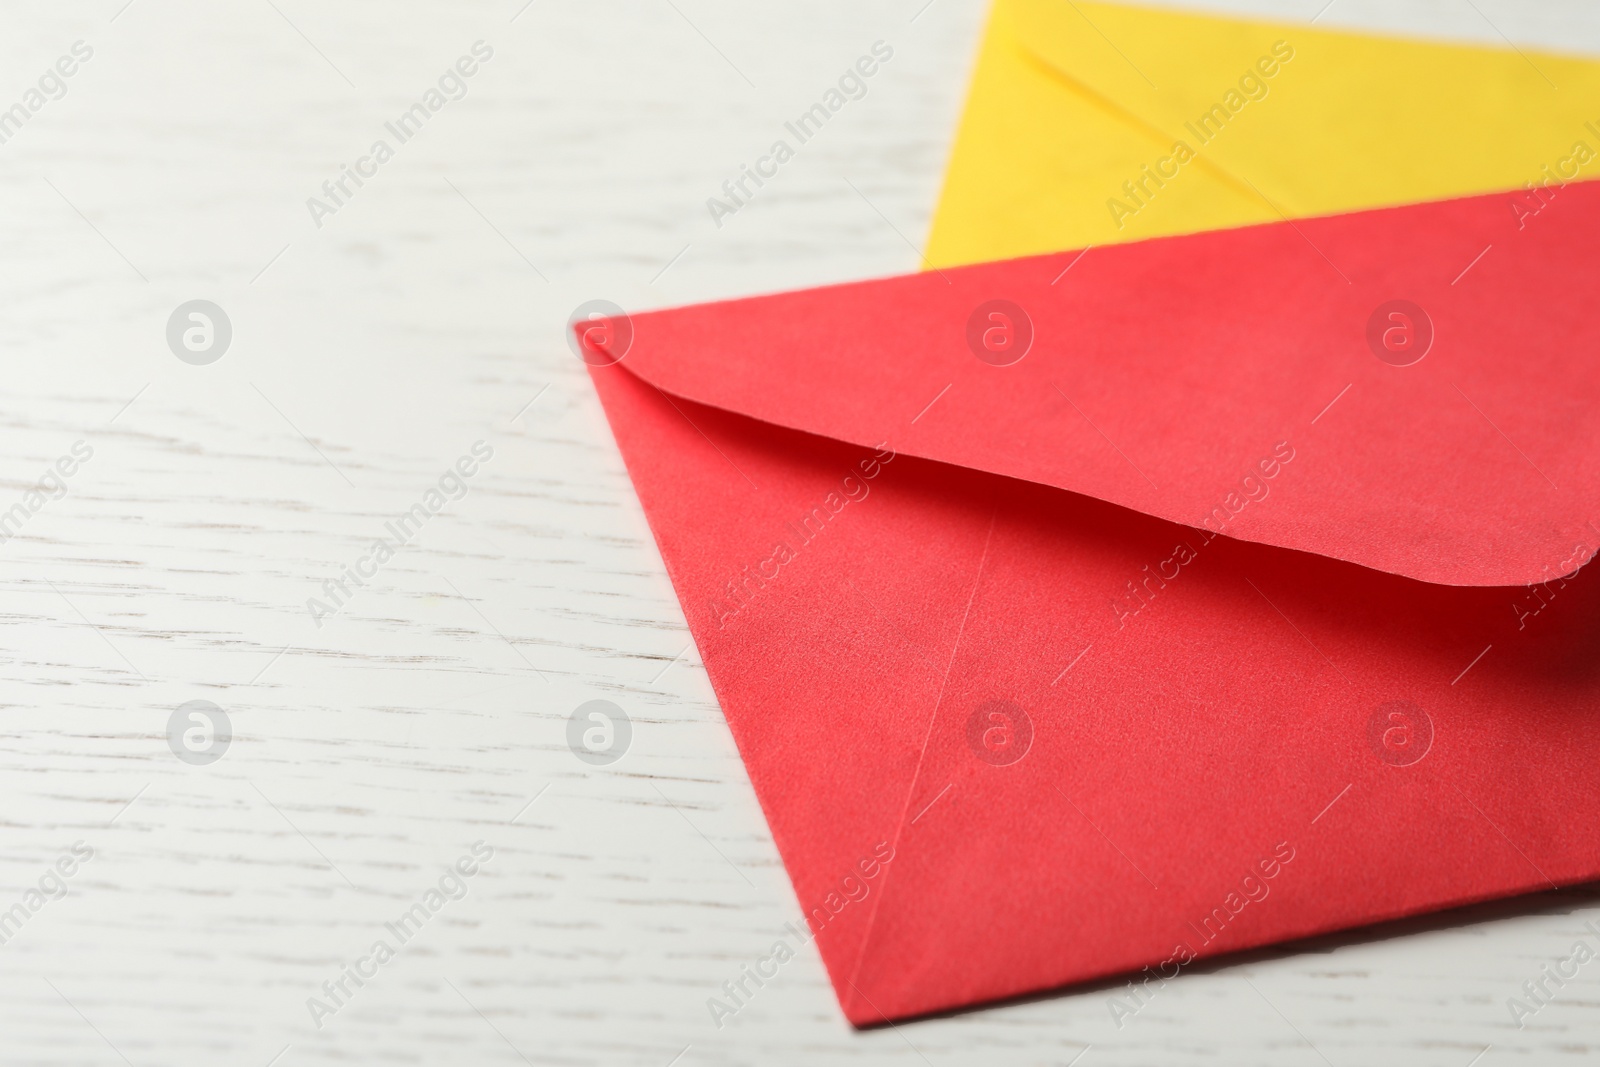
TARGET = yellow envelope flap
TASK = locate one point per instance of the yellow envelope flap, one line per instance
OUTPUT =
(1091, 123)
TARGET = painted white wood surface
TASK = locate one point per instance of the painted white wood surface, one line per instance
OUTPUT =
(368, 354)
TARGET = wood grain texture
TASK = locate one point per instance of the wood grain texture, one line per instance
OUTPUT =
(371, 751)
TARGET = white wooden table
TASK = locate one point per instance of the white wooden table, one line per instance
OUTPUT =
(429, 712)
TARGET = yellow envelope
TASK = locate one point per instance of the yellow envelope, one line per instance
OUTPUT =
(1092, 123)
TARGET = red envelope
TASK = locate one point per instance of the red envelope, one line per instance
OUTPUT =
(1082, 615)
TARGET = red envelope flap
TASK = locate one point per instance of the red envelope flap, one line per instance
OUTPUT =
(1444, 357)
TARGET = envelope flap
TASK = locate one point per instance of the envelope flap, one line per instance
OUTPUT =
(1271, 118)
(1395, 119)
(1394, 388)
